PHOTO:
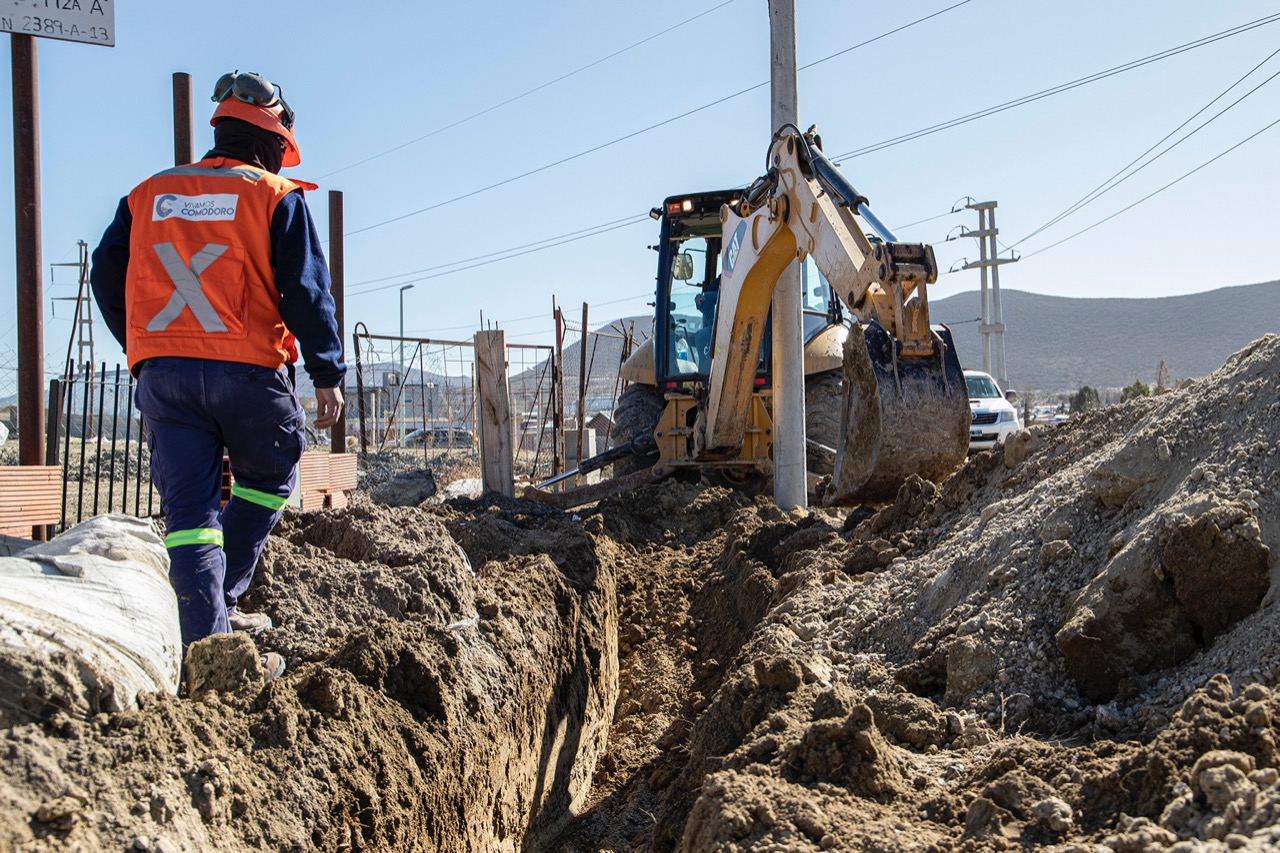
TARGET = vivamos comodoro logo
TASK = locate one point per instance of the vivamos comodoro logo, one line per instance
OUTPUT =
(732, 249)
(213, 207)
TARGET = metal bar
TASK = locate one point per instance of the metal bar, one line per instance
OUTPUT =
(364, 432)
(52, 427)
(182, 149)
(84, 420)
(53, 422)
(115, 419)
(557, 386)
(338, 289)
(97, 462)
(66, 444)
(422, 387)
(150, 480)
(582, 385)
(137, 483)
(26, 208)
(128, 442)
(425, 341)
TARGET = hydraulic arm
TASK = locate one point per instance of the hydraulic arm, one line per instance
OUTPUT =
(905, 406)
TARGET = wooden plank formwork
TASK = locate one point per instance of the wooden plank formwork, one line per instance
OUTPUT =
(30, 495)
(325, 480)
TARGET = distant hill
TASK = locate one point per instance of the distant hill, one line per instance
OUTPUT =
(1055, 343)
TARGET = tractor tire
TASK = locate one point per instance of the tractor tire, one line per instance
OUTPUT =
(823, 395)
(638, 411)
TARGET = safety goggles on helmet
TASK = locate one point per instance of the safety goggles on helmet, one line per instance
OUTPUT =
(253, 88)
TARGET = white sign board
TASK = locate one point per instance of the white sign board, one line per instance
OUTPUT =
(88, 21)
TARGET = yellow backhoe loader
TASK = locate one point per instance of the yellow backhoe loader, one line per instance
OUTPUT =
(885, 395)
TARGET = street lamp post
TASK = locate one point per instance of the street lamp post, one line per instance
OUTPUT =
(403, 400)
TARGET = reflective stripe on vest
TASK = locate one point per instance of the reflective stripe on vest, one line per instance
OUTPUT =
(253, 496)
(208, 171)
(187, 291)
(198, 536)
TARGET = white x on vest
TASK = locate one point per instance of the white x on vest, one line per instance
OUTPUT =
(187, 291)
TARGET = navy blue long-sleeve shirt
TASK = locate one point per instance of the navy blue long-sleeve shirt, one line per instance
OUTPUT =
(301, 277)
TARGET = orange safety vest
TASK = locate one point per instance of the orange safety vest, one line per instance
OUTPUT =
(200, 283)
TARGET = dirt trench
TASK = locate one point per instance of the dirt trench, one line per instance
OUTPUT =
(1071, 645)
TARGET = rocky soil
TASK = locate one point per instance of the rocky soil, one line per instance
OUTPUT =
(1072, 644)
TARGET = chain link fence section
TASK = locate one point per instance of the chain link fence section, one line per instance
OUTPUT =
(419, 395)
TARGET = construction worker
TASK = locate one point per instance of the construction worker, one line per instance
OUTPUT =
(205, 277)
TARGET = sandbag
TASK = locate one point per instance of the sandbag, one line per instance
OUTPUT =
(87, 621)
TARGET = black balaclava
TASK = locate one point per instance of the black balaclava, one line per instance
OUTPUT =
(247, 143)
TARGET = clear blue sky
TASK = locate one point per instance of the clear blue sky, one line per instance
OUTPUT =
(368, 77)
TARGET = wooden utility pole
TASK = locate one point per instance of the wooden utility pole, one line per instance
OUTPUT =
(790, 484)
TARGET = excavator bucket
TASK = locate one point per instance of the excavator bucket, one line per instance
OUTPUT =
(901, 416)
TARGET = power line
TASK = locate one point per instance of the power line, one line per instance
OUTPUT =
(541, 316)
(525, 94)
(644, 130)
(630, 220)
(624, 224)
(1154, 193)
(1055, 90)
(538, 245)
(1116, 179)
(511, 253)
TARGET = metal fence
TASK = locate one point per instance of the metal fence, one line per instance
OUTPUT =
(415, 394)
(96, 436)
(420, 393)
(407, 387)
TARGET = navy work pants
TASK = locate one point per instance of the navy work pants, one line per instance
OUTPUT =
(195, 409)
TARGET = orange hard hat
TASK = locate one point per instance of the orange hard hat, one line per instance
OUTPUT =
(251, 97)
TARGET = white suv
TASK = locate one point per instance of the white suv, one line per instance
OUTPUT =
(994, 417)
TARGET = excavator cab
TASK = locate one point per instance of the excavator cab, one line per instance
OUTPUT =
(688, 294)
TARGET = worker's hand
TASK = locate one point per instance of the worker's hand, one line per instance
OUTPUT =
(328, 407)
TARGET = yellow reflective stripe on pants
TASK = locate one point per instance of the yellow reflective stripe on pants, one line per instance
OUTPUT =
(199, 536)
(253, 496)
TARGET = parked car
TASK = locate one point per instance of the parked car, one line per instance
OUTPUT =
(994, 417)
(1048, 415)
(439, 437)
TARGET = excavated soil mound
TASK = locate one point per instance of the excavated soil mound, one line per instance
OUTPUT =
(1070, 645)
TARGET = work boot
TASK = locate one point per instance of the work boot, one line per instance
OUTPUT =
(254, 623)
(272, 666)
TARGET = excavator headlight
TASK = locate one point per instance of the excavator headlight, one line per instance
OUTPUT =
(676, 207)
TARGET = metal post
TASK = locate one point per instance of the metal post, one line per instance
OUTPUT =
(557, 386)
(790, 484)
(582, 387)
(337, 287)
(400, 366)
(26, 206)
(182, 148)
